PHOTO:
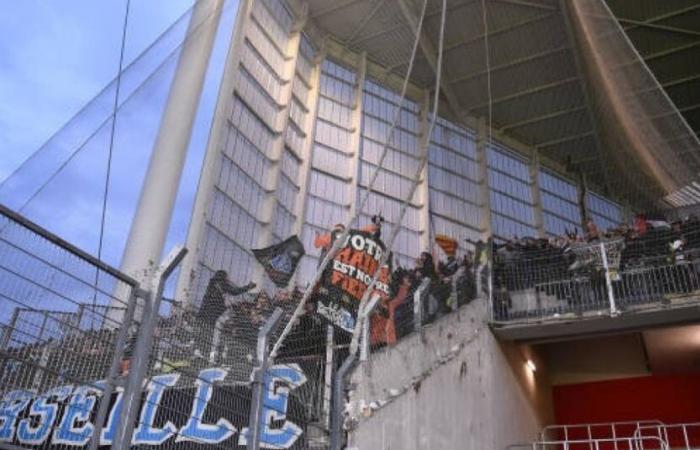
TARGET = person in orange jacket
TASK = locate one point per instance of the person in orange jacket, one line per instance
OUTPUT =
(325, 241)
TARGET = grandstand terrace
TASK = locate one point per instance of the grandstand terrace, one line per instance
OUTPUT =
(419, 224)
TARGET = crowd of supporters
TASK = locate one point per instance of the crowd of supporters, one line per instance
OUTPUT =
(646, 261)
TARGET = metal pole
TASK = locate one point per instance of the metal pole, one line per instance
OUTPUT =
(365, 325)
(142, 352)
(7, 335)
(256, 404)
(44, 353)
(608, 281)
(418, 304)
(328, 377)
(114, 366)
(338, 402)
(154, 212)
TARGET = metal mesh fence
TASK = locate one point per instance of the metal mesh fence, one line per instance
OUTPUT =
(64, 318)
(625, 271)
(200, 372)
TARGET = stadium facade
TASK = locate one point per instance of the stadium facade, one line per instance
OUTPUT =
(301, 123)
(541, 331)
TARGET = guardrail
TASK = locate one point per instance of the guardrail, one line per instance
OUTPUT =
(626, 443)
(535, 285)
(682, 436)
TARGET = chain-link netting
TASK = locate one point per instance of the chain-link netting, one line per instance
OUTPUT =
(64, 319)
(628, 268)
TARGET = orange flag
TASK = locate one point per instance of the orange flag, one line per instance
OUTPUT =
(447, 244)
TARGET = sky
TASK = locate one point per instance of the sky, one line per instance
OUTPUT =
(58, 57)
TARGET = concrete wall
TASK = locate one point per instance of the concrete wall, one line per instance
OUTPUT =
(481, 397)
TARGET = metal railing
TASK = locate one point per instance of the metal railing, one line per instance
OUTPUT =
(607, 430)
(623, 443)
(539, 282)
(89, 358)
(629, 435)
(65, 318)
(682, 436)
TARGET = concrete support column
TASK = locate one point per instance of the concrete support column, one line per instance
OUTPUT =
(356, 137)
(582, 189)
(309, 128)
(212, 157)
(424, 187)
(305, 168)
(282, 122)
(154, 212)
(536, 193)
(484, 194)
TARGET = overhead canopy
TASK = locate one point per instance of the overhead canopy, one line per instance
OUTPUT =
(561, 78)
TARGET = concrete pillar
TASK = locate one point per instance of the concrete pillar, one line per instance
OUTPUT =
(212, 157)
(305, 168)
(282, 122)
(356, 137)
(536, 193)
(424, 187)
(154, 212)
(582, 189)
(484, 194)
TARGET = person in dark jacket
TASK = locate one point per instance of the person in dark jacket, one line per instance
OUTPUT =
(214, 302)
(214, 308)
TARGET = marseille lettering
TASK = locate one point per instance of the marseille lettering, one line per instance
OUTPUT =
(64, 416)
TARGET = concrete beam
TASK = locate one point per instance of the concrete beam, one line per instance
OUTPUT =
(212, 156)
(356, 136)
(333, 7)
(654, 26)
(484, 191)
(665, 16)
(540, 118)
(564, 139)
(529, 4)
(453, 45)
(526, 92)
(365, 20)
(424, 187)
(509, 64)
(538, 209)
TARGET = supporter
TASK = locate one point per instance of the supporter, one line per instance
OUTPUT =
(383, 326)
(425, 267)
(464, 284)
(592, 233)
(640, 225)
(325, 241)
(214, 306)
(214, 302)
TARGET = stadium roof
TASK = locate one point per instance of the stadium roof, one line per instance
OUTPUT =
(537, 78)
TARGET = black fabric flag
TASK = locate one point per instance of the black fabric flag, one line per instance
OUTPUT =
(281, 260)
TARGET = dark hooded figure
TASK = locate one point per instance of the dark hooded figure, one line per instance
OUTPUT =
(425, 266)
(214, 302)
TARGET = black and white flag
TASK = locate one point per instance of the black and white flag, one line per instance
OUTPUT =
(281, 260)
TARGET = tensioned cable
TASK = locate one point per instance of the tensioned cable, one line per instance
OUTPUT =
(131, 65)
(131, 96)
(110, 152)
(337, 243)
(488, 70)
(404, 206)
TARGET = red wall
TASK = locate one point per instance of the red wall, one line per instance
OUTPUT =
(669, 398)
